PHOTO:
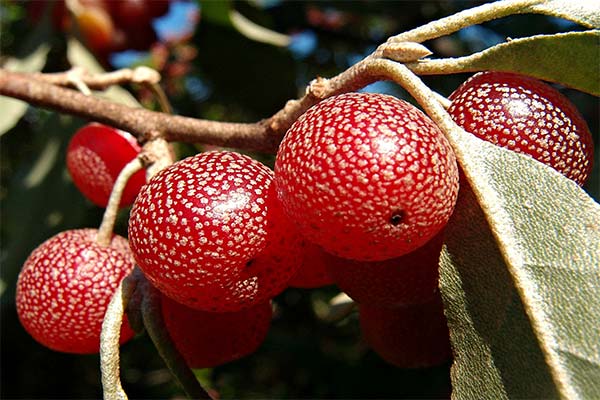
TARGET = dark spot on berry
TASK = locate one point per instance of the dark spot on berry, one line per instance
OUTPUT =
(249, 263)
(397, 217)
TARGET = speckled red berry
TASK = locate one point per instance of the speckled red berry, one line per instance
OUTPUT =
(366, 176)
(209, 232)
(414, 336)
(408, 279)
(96, 155)
(207, 339)
(528, 116)
(313, 270)
(65, 286)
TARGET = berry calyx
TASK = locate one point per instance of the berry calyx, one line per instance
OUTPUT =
(397, 282)
(313, 270)
(366, 176)
(65, 286)
(528, 116)
(414, 336)
(207, 339)
(209, 232)
(96, 155)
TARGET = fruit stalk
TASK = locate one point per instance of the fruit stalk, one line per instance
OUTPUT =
(155, 326)
(110, 213)
(109, 342)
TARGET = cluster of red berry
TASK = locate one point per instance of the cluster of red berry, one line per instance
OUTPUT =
(106, 25)
(362, 188)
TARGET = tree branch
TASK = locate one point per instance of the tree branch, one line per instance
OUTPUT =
(143, 123)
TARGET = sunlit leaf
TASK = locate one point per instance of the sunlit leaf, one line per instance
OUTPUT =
(80, 56)
(583, 12)
(256, 32)
(548, 232)
(568, 58)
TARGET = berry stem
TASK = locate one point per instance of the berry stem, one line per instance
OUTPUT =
(105, 231)
(155, 326)
(109, 342)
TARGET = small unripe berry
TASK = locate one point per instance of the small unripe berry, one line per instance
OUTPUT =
(366, 176)
(528, 116)
(408, 279)
(96, 155)
(414, 336)
(209, 232)
(65, 286)
(207, 339)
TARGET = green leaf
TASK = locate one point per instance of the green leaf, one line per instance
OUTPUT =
(216, 12)
(547, 231)
(496, 353)
(567, 58)
(583, 12)
(31, 58)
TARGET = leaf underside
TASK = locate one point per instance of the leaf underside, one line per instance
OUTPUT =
(567, 58)
(583, 12)
(548, 242)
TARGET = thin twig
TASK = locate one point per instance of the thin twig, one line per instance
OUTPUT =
(143, 75)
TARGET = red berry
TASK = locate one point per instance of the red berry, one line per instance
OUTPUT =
(313, 270)
(65, 286)
(414, 336)
(209, 233)
(366, 176)
(207, 339)
(408, 279)
(528, 116)
(95, 157)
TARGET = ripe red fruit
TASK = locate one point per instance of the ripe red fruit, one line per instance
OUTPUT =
(528, 116)
(408, 279)
(414, 336)
(366, 176)
(209, 233)
(207, 339)
(65, 286)
(313, 270)
(96, 155)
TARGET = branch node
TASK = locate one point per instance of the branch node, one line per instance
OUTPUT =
(318, 88)
(145, 75)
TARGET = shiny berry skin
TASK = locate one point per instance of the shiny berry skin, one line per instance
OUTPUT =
(96, 155)
(207, 339)
(65, 286)
(408, 279)
(313, 270)
(528, 116)
(366, 176)
(414, 336)
(209, 232)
